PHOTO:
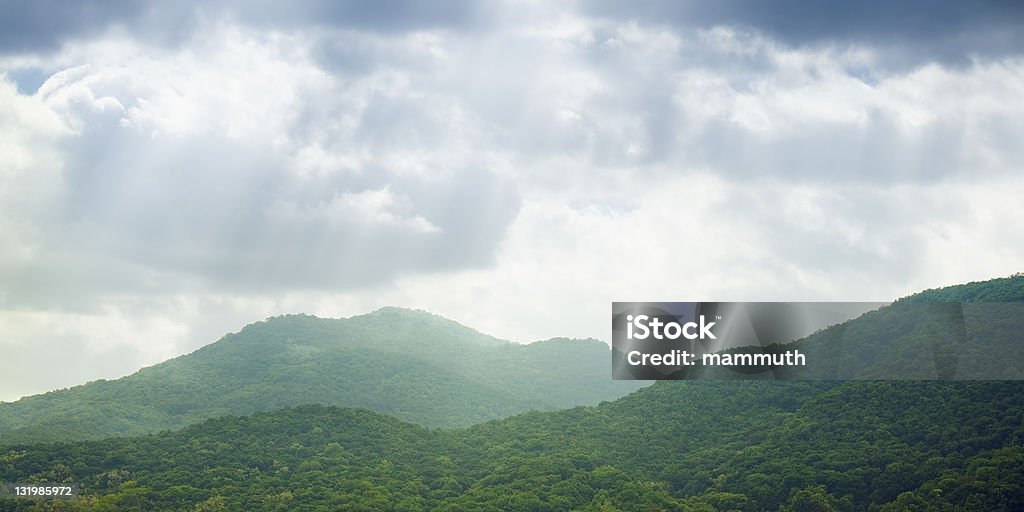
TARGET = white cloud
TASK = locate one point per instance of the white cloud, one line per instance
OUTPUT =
(517, 179)
(699, 237)
(375, 208)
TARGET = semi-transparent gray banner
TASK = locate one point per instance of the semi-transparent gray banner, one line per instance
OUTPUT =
(904, 340)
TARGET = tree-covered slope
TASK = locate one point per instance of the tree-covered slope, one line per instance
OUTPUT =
(412, 365)
(694, 445)
(1002, 289)
(965, 332)
(723, 445)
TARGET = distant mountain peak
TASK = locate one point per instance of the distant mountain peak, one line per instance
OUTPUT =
(408, 363)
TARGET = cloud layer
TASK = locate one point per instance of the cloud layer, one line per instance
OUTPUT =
(170, 171)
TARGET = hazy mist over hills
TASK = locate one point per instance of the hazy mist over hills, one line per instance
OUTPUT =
(705, 446)
(409, 364)
(429, 370)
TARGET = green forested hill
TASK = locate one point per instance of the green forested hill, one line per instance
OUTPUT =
(722, 445)
(785, 446)
(973, 331)
(1002, 289)
(409, 364)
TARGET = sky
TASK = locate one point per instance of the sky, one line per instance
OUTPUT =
(171, 171)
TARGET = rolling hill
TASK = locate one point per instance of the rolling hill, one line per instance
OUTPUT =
(887, 446)
(409, 364)
(973, 331)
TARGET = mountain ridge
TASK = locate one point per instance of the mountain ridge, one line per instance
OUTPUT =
(973, 331)
(413, 364)
(705, 446)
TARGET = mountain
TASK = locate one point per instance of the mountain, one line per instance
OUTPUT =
(409, 364)
(973, 331)
(704, 445)
(1001, 289)
(681, 445)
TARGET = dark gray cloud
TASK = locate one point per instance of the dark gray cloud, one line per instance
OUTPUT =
(42, 26)
(383, 16)
(907, 33)
(911, 32)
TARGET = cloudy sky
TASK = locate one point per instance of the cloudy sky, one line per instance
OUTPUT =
(171, 171)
